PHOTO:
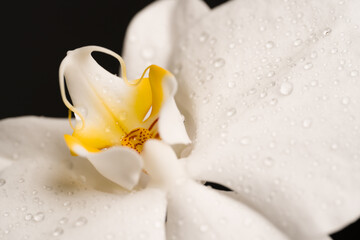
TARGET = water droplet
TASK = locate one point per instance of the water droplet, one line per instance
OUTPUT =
(218, 63)
(21, 180)
(307, 123)
(203, 37)
(269, 162)
(313, 55)
(28, 216)
(180, 222)
(334, 146)
(123, 115)
(231, 112)
(15, 156)
(213, 41)
(38, 217)
(297, 42)
(252, 91)
(326, 32)
(308, 66)
(269, 44)
(231, 84)
(345, 100)
(147, 53)
(158, 224)
(81, 221)
(204, 228)
(270, 74)
(314, 83)
(48, 188)
(2, 182)
(245, 140)
(231, 45)
(263, 94)
(286, 88)
(63, 220)
(209, 77)
(83, 111)
(273, 101)
(58, 232)
(354, 73)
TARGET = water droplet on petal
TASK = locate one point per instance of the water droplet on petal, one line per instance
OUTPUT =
(270, 74)
(354, 73)
(147, 53)
(81, 221)
(204, 228)
(209, 77)
(286, 88)
(58, 232)
(15, 156)
(307, 123)
(297, 42)
(83, 111)
(231, 45)
(38, 217)
(345, 100)
(313, 55)
(308, 66)
(269, 44)
(123, 116)
(263, 94)
(245, 140)
(334, 146)
(326, 32)
(231, 112)
(180, 222)
(28, 217)
(2, 182)
(314, 83)
(63, 220)
(231, 84)
(158, 224)
(269, 162)
(203, 37)
(273, 101)
(218, 63)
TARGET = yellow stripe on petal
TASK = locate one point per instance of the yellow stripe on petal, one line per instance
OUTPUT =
(156, 77)
(77, 147)
(142, 99)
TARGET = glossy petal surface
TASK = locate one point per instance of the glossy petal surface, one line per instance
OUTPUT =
(272, 95)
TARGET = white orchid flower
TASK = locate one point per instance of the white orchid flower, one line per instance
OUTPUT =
(270, 95)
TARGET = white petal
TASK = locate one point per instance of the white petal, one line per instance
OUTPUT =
(196, 212)
(171, 122)
(121, 165)
(45, 196)
(161, 163)
(274, 97)
(153, 31)
(27, 137)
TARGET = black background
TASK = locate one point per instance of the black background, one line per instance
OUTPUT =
(35, 37)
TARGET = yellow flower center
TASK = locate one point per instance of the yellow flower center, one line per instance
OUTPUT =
(137, 137)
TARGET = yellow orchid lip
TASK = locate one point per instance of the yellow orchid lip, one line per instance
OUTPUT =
(123, 113)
